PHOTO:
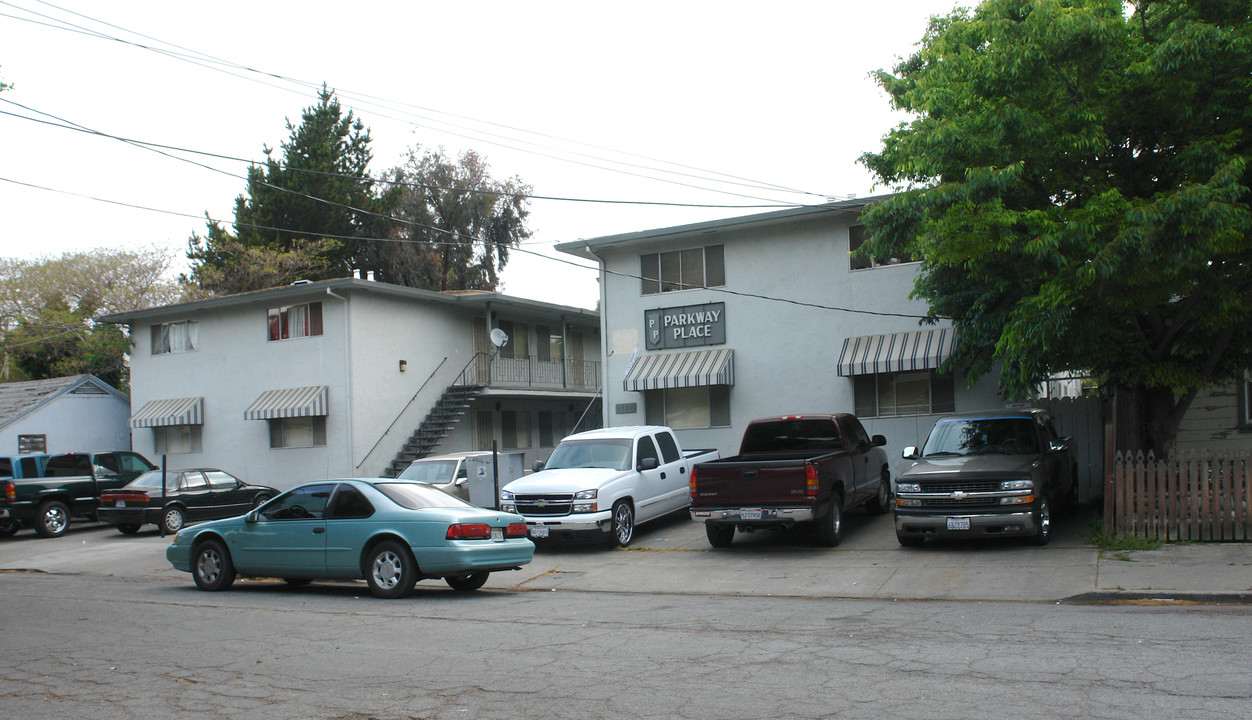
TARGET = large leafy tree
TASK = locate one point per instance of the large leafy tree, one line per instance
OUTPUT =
(303, 214)
(455, 224)
(48, 306)
(1076, 184)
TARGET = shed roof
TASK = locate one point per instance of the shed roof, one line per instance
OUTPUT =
(18, 399)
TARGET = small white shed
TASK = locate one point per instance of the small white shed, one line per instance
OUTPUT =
(80, 413)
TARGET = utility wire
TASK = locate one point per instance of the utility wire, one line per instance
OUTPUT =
(725, 291)
(217, 62)
(68, 125)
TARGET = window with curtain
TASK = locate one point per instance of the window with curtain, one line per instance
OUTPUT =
(175, 337)
(294, 321)
(921, 392)
(703, 406)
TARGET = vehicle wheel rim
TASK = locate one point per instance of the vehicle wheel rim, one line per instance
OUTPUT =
(54, 519)
(210, 566)
(836, 520)
(625, 524)
(173, 521)
(387, 570)
(1045, 519)
(884, 495)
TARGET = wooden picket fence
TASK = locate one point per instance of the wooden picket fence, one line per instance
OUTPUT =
(1198, 497)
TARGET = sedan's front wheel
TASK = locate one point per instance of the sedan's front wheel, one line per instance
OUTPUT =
(173, 520)
(390, 570)
(466, 583)
(211, 566)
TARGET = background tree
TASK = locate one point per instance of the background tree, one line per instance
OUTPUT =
(302, 215)
(47, 308)
(1076, 183)
(455, 224)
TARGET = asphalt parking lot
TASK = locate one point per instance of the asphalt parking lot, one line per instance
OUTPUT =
(672, 555)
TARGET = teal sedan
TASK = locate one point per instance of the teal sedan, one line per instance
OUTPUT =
(390, 532)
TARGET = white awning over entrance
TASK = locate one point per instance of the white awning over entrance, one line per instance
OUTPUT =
(682, 369)
(895, 352)
(291, 402)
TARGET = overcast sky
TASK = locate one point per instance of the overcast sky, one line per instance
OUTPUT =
(704, 103)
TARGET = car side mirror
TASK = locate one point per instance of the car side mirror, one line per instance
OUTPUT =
(910, 453)
(461, 482)
(649, 463)
(252, 515)
(537, 466)
(879, 440)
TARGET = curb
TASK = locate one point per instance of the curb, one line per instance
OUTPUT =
(1157, 599)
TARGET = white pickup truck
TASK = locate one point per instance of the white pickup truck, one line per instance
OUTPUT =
(600, 483)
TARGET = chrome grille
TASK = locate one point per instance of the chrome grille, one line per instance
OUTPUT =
(549, 505)
(967, 486)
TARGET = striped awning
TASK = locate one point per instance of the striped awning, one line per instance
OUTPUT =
(895, 352)
(682, 369)
(175, 411)
(291, 402)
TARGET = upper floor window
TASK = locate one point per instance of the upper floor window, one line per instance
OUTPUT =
(683, 269)
(295, 321)
(856, 238)
(920, 392)
(175, 337)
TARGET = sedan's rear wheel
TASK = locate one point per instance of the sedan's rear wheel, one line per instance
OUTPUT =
(466, 583)
(390, 570)
(128, 528)
(211, 566)
(173, 520)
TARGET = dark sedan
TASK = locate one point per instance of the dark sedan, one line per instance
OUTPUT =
(191, 495)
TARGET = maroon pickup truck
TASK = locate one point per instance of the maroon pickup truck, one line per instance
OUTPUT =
(792, 470)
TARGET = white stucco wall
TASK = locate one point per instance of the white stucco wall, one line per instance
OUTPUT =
(72, 422)
(786, 353)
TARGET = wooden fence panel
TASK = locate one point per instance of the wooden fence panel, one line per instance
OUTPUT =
(1195, 497)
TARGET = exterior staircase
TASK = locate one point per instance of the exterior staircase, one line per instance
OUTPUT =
(452, 405)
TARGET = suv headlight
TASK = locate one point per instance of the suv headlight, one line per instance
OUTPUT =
(1017, 485)
(908, 487)
(507, 503)
(581, 504)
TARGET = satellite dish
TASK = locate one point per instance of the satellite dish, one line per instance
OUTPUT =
(499, 338)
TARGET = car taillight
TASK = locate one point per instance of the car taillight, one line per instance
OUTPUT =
(469, 531)
(810, 480)
(515, 530)
(10, 491)
(691, 484)
(127, 497)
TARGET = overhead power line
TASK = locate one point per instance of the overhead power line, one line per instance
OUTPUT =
(632, 276)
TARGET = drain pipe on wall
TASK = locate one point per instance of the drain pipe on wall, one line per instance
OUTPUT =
(347, 385)
(604, 335)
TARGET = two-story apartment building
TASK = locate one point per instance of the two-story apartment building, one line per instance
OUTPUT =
(710, 325)
(351, 377)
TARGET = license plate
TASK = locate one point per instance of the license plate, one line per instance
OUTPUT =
(538, 531)
(497, 534)
(958, 523)
(752, 514)
(120, 503)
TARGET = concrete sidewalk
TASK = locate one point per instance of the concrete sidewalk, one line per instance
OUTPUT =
(672, 556)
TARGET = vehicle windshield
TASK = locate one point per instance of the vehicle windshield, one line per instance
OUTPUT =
(415, 496)
(1003, 435)
(613, 454)
(438, 472)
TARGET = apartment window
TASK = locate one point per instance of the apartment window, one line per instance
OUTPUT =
(518, 345)
(922, 392)
(295, 321)
(551, 428)
(175, 337)
(549, 344)
(683, 269)
(515, 429)
(298, 432)
(856, 238)
(172, 439)
(703, 406)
